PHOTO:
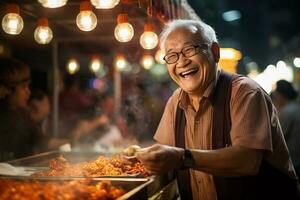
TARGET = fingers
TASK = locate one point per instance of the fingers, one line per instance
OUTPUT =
(132, 150)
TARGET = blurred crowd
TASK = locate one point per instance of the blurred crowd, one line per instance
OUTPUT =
(88, 118)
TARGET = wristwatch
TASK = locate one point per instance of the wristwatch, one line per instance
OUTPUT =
(188, 160)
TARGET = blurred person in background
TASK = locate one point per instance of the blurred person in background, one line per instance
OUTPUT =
(74, 103)
(137, 110)
(19, 135)
(220, 132)
(40, 110)
(39, 106)
(107, 106)
(285, 100)
(103, 128)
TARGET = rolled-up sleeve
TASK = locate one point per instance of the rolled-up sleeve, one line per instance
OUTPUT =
(165, 131)
(251, 118)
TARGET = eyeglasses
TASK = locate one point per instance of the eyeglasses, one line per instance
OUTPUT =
(187, 52)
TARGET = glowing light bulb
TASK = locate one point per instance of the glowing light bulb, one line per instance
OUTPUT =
(120, 63)
(95, 65)
(53, 3)
(73, 66)
(147, 61)
(86, 20)
(12, 22)
(297, 62)
(124, 30)
(105, 4)
(148, 39)
(159, 57)
(43, 34)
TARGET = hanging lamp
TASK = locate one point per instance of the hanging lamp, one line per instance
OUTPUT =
(43, 33)
(86, 20)
(149, 39)
(52, 3)
(105, 4)
(12, 22)
(124, 30)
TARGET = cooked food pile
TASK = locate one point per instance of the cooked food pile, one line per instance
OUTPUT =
(102, 166)
(67, 190)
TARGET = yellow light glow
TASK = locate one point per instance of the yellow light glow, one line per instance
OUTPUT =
(43, 35)
(12, 23)
(149, 40)
(124, 32)
(53, 3)
(120, 63)
(230, 54)
(73, 66)
(86, 20)
(147, 61)
(229, 59)
(95, 65)
(105, 4)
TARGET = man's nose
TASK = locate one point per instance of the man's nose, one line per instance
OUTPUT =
(182, 61)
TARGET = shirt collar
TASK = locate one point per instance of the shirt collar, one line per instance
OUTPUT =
(183, 96)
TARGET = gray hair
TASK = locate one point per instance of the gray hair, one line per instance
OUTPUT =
(206, 31)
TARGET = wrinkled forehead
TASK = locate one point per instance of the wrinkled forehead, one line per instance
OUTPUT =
(182, 35)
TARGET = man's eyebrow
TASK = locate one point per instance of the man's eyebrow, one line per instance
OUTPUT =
(187, 43)
(184, 44)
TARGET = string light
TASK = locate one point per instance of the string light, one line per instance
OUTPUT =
(86, 20)
(124, 30)
(149, 39)
(95, 64)
(120, 62)
(12, 22)
(53, 3)
(105, 4)
(72, 66)
(147, 61)
(43, 34)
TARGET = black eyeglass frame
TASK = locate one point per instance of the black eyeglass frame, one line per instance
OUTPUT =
(202, 46)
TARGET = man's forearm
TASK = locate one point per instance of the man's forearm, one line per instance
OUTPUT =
(230, 161)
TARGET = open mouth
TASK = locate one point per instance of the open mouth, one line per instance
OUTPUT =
(189, 72)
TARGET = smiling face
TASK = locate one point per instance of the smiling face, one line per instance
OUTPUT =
(195, 73)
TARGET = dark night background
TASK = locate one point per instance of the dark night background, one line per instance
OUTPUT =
(267, 31)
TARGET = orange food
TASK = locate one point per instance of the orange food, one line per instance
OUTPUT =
(67, 190)
(102, 166)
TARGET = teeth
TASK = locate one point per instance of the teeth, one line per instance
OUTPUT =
(187, 72)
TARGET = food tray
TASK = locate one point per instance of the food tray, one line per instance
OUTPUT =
(40, 162)
(136, 188)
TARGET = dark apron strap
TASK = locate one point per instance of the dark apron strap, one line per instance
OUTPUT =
(183, 176)
(221, 126)
(220, 100)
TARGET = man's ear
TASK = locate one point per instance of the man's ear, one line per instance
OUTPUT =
(215, 48)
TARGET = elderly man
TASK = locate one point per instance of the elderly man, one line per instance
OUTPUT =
(219, 131)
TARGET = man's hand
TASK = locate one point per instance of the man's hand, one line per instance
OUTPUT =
(160, 158)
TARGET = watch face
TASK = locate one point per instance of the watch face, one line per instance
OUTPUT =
(188, 159)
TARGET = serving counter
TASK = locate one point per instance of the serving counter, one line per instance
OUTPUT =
(135, 185)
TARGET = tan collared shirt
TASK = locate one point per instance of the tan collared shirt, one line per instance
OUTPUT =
(254, 125)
